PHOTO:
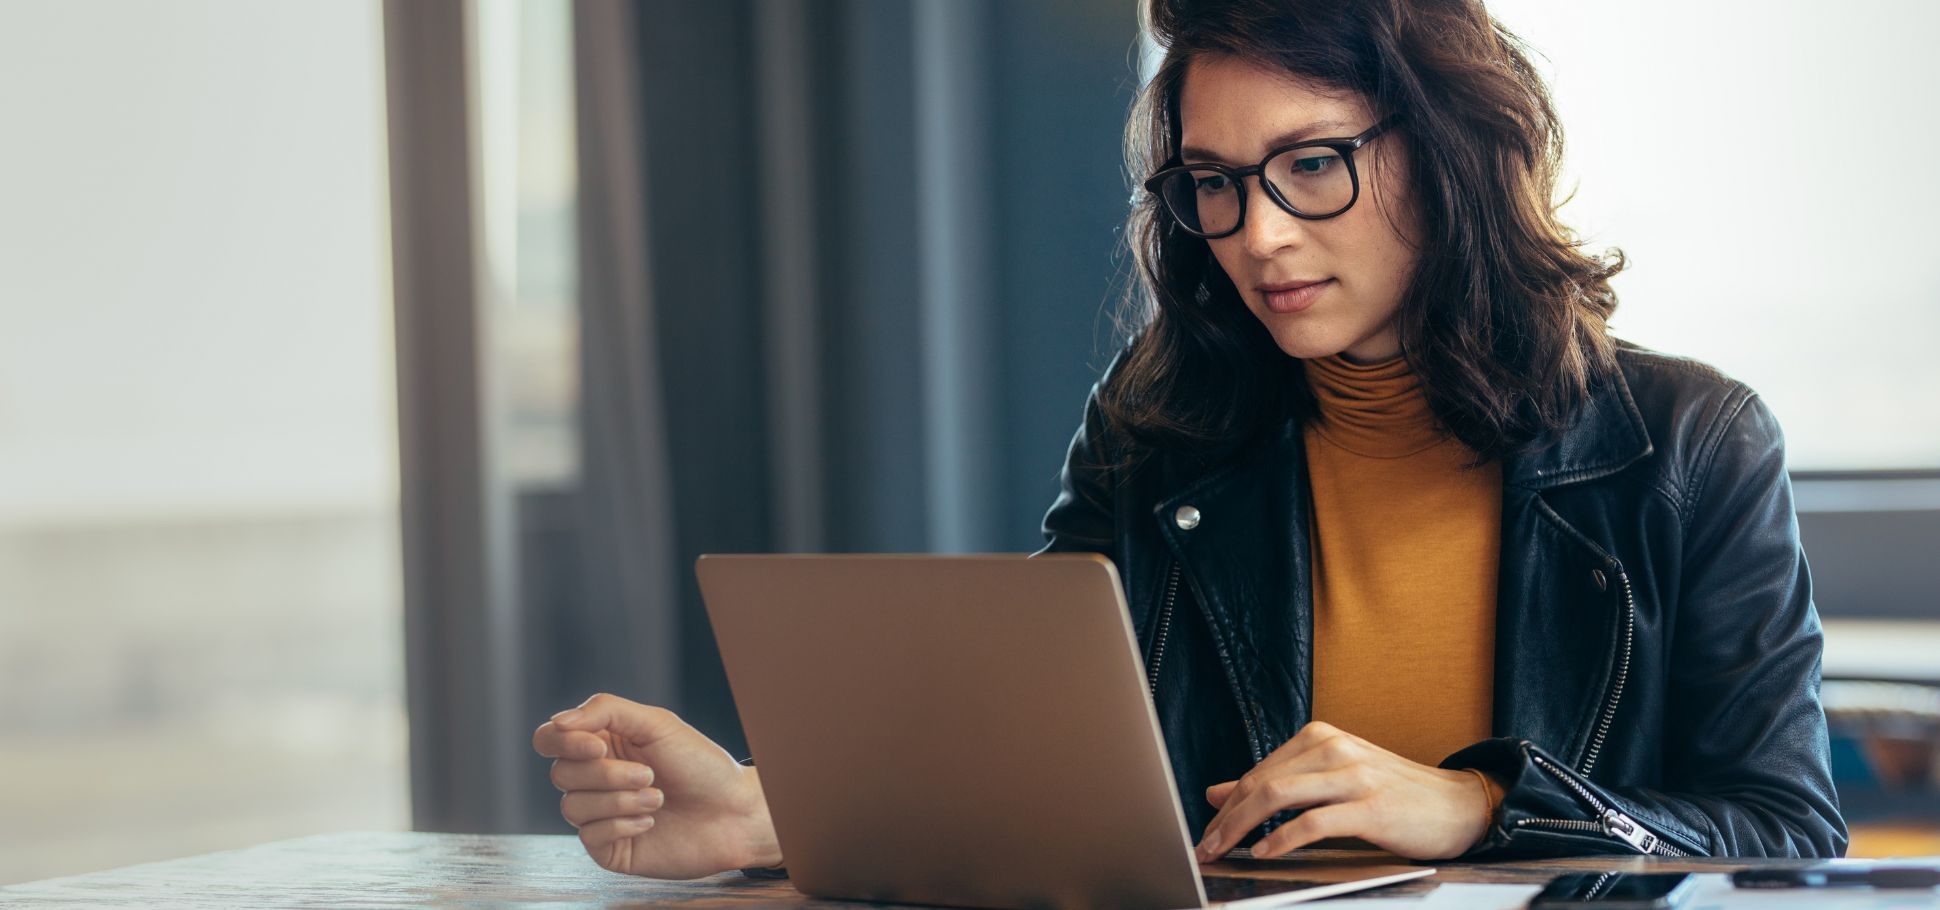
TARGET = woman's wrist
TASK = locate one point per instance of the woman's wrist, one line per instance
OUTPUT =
(764, 848)
(1491, 798)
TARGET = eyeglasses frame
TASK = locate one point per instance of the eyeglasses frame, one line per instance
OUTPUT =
(1345, 147)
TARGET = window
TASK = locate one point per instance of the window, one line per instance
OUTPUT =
(200, 637)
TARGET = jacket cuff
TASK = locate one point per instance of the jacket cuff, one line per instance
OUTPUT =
(1548, 809)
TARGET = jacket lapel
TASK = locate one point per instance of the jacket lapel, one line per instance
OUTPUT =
(1246, 563)
(1558, 606)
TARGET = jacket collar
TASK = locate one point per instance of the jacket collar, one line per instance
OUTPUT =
(1606, 436)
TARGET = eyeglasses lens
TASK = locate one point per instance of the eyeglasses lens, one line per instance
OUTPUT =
(1314, 180)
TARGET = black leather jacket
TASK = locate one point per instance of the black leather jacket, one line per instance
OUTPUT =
(1657, 651)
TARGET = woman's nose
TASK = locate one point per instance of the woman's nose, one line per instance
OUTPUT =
(1268, 228)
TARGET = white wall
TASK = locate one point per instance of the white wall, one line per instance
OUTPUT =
(1770, 169)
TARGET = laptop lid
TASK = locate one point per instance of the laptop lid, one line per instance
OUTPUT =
(963, 730)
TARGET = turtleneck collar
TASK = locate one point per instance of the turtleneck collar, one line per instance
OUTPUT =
(1378, 410)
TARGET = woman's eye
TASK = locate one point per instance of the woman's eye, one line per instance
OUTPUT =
(1212, 183)
(1316, 165)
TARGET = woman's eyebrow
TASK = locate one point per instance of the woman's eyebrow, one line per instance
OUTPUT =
(1310, 131)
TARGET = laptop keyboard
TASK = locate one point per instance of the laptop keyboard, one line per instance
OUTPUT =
(1222, 888)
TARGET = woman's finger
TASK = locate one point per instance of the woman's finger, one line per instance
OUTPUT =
(583, 807)
(1234, 797)
(601, 774)
(638, 723)
(600, 836)
(1338, 820)
(553, 741)
(1317, 747)
(1258, 796)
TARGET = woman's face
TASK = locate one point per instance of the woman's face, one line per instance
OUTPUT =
(1233, 112)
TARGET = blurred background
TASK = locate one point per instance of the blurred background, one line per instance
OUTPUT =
(372, 372)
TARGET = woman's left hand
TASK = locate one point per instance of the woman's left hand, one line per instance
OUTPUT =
(1348, 787)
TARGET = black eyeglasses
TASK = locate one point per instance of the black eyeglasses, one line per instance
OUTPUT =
(1311, 179)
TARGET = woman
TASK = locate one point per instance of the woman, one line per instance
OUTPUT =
(1419, 554)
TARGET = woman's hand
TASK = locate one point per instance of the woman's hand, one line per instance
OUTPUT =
(1348, 787)
(651, 796)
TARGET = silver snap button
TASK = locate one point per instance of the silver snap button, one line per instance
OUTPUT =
(1602, 581)
(1186, 517)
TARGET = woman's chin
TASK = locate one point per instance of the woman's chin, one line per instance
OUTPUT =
(1311, 335)
(1304, 344)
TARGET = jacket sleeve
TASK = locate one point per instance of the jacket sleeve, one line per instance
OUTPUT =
(1746, 764)
(1081, 518)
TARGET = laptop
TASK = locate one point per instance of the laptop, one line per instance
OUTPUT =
(972, 731)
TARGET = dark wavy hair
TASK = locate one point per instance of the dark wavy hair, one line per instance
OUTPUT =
(1505, 319)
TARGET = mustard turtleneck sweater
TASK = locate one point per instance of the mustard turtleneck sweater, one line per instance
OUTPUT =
(1405, 546)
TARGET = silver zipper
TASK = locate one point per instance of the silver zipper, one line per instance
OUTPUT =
(1158, 657)
(1609, 714)
(1609, 821)
(1165, 627)
(1626, 829)
(1561, 824)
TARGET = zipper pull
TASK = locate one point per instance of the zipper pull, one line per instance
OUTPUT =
(1624, 828)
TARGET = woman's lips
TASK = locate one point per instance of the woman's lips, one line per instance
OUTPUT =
(1296, 299)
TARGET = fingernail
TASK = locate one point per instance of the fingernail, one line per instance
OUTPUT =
(652, 799)
(566, 717)
(639, 777)
(642, 822)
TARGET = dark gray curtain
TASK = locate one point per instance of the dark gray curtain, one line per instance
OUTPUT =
(462, 690)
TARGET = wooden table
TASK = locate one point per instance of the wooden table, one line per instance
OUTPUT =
(478, 871)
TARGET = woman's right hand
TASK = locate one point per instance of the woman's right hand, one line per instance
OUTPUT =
(651, 796)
